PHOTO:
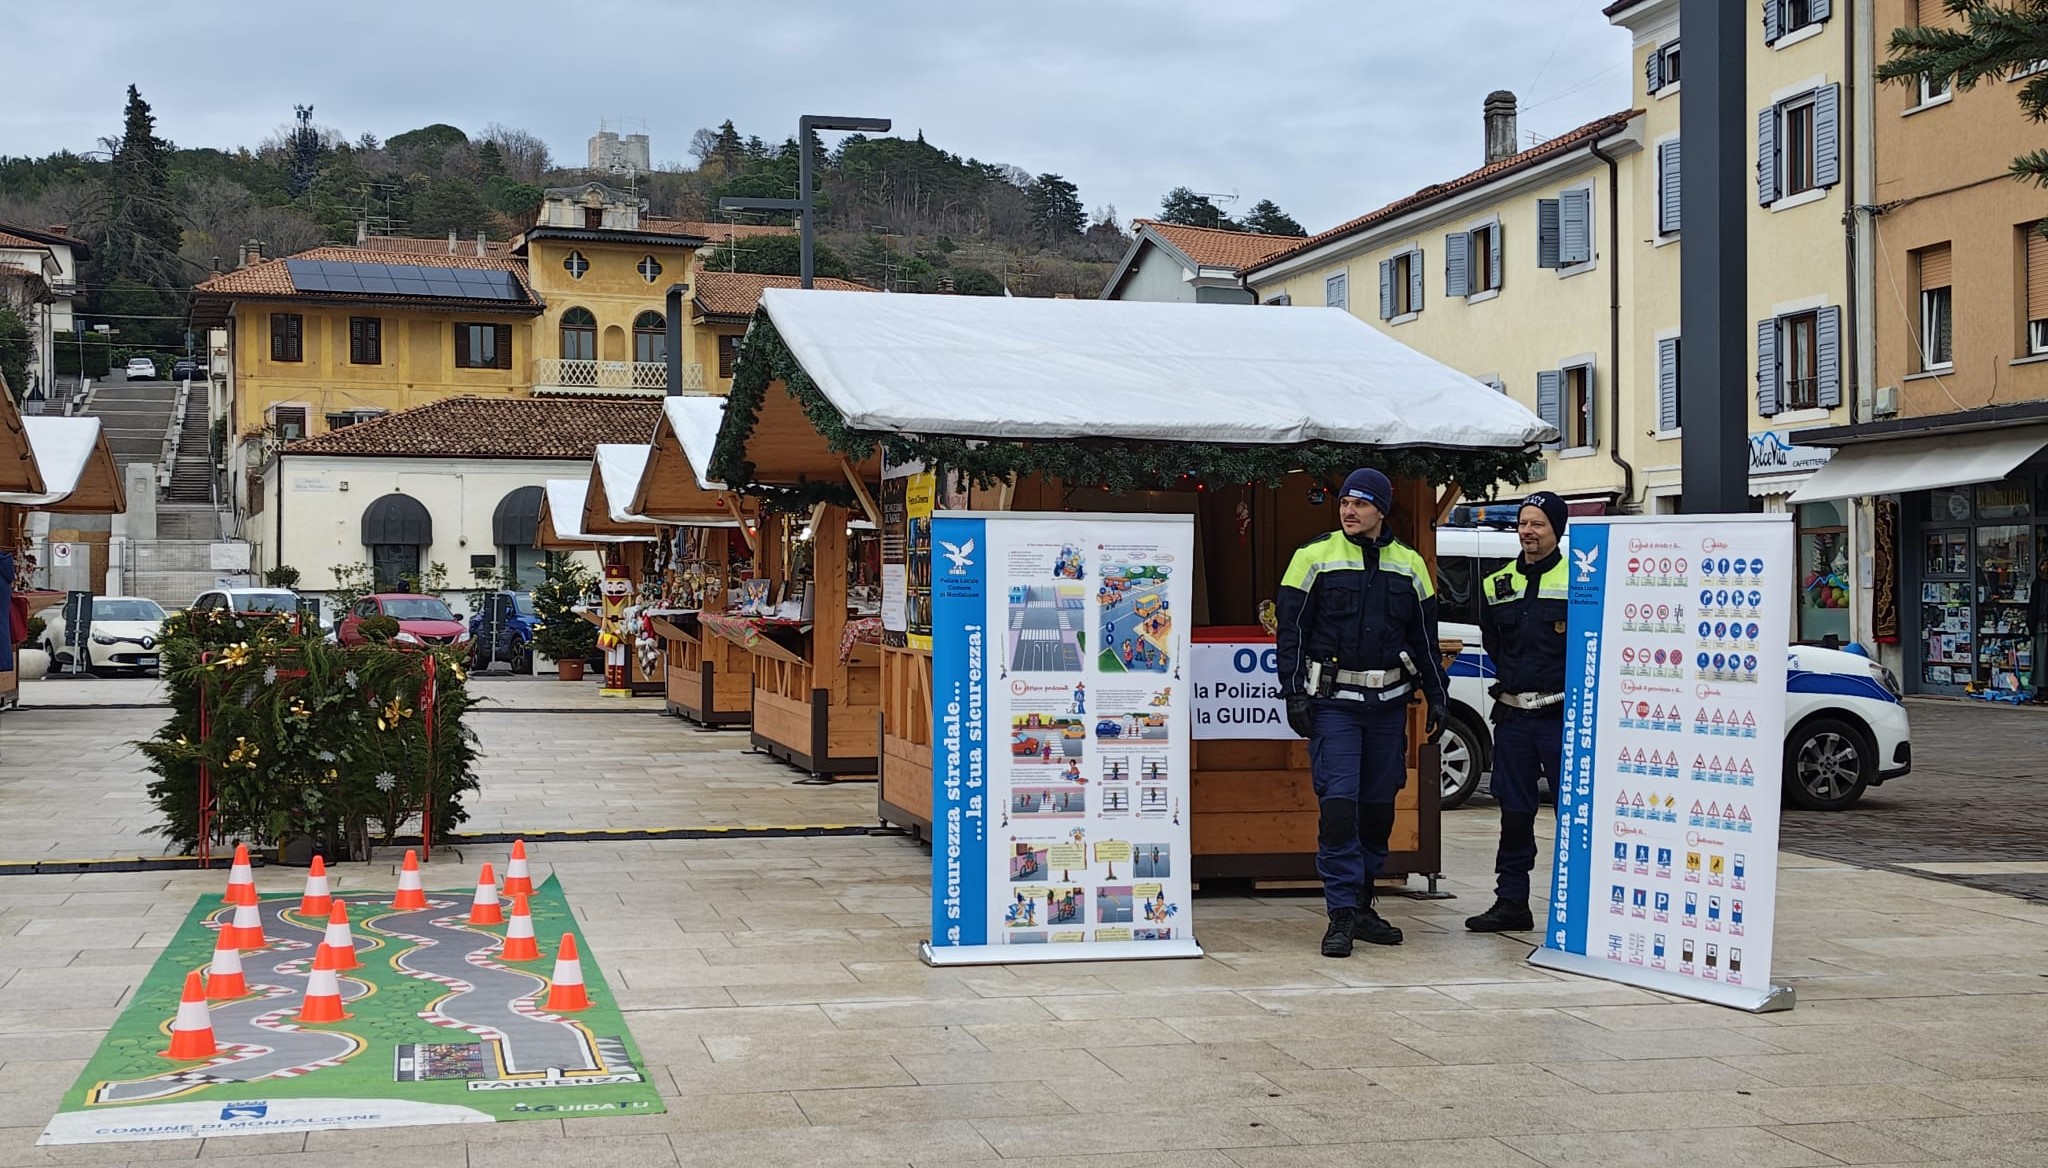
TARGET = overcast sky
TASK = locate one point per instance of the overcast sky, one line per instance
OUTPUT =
(1328, 107)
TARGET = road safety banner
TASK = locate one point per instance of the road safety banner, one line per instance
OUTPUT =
(1060, 726)
(1665, 873)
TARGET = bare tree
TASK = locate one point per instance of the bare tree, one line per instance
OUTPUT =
(221, 214)
(526, 156)
(703, 144)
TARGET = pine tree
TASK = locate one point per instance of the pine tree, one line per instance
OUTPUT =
(1267, 218)
(1997, 42)
(145, 235)
(1188, 209)
(1056, 211)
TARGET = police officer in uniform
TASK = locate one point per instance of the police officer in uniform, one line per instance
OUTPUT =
(1522, 626)
(1357, 640)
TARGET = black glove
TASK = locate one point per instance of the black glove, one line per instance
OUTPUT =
(1433, 724)
(1299, 714)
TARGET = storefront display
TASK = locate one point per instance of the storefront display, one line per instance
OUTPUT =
(1824, 585)
(1973, 570)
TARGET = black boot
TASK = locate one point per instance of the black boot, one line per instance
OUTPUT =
(1506, 916)
(1372, 928)
(1337, 942)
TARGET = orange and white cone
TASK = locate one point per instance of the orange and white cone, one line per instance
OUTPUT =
(323, 991)
(241, 879)
(192, 1030)
(246, 929)
(338, 940)
(565, 989)
(411, 893)
(485, 909)
(519, 943)
(518, 879)
(316, 900)
(224, 978)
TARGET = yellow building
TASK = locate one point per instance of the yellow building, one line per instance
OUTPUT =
(722, 304)
(1513, 274)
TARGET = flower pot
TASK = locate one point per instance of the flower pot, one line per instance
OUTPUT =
(569, 670)
(31, 664)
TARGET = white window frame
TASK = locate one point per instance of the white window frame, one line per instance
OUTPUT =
(1590, 363)
(1928, 332)
(1785, 320)
(1475, 259)
(1404, 285)
(1809, 101)
(1282, 300)
(305, 409)
(2037, 338)
(1789, 37)
(2026, 71)
(1665, 52)
(1566, 272)
(1930, 97)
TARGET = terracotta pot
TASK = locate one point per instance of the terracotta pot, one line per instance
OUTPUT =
(569, 670)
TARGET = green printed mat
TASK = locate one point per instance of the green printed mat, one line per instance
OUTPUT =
(442, 1032)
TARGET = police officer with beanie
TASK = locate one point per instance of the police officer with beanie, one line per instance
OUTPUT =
(1522, 626)
(1357, 641)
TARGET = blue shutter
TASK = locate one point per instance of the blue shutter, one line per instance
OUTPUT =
(1767, 386)
(1550, 402)
(1457, 249)
(1386, 289)
(1667, 384)
(1653, 71)
(1592, 396)
(1819, 9)
(1767, 156)
(1828, 357)
(1771, 22)
(1827, 135)
(1667, 187)
(1415, 280)
(1493, 253)
(1574, 227)
(1337, 291)
(1546, 233)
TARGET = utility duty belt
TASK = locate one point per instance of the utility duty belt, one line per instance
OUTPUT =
(1325, 680)
(1529, 701)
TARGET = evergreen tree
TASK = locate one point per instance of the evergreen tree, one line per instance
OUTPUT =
(1996, 42)
(773, 255)
(1268, 219)
(145, 236)
(1188, 209)
(449, 204)
(727, 148)
(1055, 204)
(490, 160)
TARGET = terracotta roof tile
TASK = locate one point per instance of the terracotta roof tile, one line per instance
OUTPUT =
(739, 293)
(1427, 195)
(407, 245)
(481, 427)
(1214, 248)
(9, 239)
(716, 232)
(272, 278)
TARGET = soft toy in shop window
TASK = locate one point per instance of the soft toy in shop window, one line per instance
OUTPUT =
(1828, 589)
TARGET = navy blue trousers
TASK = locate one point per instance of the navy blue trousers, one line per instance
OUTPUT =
(1523, 749)
(1358, 758)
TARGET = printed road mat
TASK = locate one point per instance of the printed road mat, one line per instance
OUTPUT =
(441, 1031)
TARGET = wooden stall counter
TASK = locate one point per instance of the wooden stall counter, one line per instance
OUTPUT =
(710, 678)
(814, 705)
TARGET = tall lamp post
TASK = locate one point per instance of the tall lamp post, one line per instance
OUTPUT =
(1714, 282)
(807, 235)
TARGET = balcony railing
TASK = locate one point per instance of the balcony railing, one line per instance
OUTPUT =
(557, 374)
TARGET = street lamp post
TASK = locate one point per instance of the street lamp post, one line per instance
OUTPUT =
(807, 235)
(1714, 282)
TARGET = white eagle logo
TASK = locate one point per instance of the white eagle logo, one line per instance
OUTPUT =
(1584, 559)
(961, 556)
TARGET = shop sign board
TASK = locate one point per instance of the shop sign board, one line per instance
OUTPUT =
(1061, 737)
(1237, 690)
(1665, 869)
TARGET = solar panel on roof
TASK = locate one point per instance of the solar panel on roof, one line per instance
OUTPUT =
(402, 280)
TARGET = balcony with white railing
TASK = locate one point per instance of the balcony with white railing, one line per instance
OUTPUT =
(559, 375)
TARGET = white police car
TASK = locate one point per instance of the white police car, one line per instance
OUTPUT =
(1846, 727)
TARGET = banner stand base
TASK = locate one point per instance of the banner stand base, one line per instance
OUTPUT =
(1758, 1000)
(947, 955)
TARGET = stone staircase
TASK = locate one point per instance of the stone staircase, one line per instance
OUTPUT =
(192, 475)
(135, 415)
(177, 565)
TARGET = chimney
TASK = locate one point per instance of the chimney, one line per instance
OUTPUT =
(451, 241)
(63, 229)
(480, 236)
(1500, 126)
(249, 253)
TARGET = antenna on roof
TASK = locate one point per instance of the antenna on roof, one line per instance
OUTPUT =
(1218, 198)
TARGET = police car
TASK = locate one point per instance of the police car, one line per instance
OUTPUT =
(1846, 724)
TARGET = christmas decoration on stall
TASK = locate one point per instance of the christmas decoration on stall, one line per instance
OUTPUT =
(612, 632)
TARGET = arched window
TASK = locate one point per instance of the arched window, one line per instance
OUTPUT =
(650, 338)
(514, 527)
(579, 335)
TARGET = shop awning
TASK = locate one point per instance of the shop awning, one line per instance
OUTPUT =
(517, 517)
(1030, 368)
(676, 486)
(78, 471)
(398, 519)
(561, 520)
(615, 472)
(1921, 464)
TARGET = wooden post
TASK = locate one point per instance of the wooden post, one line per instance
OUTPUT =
(861, 492)
(731, 503)
(828, 598)
(1447, 500)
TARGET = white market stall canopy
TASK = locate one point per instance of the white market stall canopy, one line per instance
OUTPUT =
(561, 519)
(695, 421)
(1921, 464)
(675, 486)
(616, 470)
(1029, 368)
(78, 470)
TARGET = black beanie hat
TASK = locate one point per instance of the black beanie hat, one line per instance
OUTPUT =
(1553, 507)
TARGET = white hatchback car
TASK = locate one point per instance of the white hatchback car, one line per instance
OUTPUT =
(1846, 727)
(140, 369)
(125, 634)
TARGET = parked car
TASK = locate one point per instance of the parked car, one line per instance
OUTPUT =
(1845, 720)
(520, 622)
(247, 600)
(188, 369)
(123, 634)
(140, 369)
(422, 620)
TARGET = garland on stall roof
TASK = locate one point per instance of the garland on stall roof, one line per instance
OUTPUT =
(1117, 464)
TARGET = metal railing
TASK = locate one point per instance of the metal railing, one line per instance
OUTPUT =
(646, 376)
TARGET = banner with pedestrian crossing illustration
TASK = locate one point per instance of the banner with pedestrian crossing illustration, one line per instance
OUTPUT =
(1665, 872)
(1060, 727)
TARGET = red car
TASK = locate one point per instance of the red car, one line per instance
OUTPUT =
(422, 620)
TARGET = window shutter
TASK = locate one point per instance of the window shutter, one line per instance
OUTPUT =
(1828, 357)
(1819, 9)
(1550, 401)
(1653, 70)
(1415, 280)
(1386, 289)
(1546, 233)
(1937, 267)
(462, 346)
(355, 340)
(1493, 253)
(1591, 411)
(1574, 227)
(1767, 156)
(504, 346)
(2037, 273)
(1827, 135)
(1667, 187)
(1337, 291)
(1457, 253)
(1767, 372)
(1667, 384)
(1771, 22)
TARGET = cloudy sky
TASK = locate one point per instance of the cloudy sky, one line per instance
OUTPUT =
(1328, 107)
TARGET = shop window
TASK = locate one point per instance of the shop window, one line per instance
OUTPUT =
(2005, 581)
(1823, 574)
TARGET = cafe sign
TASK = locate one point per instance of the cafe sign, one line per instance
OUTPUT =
(1771, 454)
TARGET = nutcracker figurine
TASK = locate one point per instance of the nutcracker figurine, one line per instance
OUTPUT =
(612, 635)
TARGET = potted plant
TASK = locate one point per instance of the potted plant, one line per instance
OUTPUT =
(30, 662)
(563, 635)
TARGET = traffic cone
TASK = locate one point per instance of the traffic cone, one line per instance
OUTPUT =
(519, 943)
(316, 900)
(246, 930)
(241, 880)
(339, 941)
(565, 989)
(192, 1030)
(224, 978)
(517, 878)
(411, 893)
(323, 991)
(485, 910)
